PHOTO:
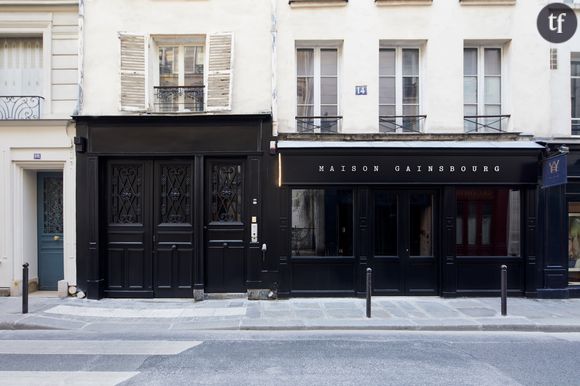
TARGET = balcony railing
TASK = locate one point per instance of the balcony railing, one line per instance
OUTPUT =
(485, 123)
(318, 124)
(401, 123)
(179, 99)
(575, 126)
(20, 107)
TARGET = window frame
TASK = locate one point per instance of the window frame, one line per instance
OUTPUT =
(399, 105)
(481, 103)
(317, 83)
(574, 121)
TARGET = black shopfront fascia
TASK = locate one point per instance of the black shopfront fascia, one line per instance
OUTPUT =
(404, 171)
(146, 217)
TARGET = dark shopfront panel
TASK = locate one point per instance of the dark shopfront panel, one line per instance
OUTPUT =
(441, 227)
(165, 204)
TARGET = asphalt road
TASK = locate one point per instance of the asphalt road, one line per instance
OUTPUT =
(288, 358)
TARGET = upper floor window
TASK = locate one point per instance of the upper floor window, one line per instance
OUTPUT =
(21, 73)
(317, 90)
(575, 93)
(482, 89)
(181, 74)
(399, 78)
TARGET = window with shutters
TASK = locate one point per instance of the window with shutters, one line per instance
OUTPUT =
(21, 77)
(180, 87)
(176, 73)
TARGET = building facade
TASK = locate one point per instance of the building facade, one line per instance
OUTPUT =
(39, 77)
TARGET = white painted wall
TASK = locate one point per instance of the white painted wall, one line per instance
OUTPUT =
(249, 20)
(19, 141)
(444, 26)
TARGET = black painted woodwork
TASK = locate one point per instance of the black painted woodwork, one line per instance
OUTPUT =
(164, 255)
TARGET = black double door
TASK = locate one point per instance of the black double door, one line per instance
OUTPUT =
(150, 228)
(404, 258)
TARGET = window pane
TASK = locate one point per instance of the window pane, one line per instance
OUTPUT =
(574, 242)
(470, 89)
(328, 91)
(492, 90)
(410, 62)
(387, 125)
(386, 224)
(168, 75)
(226, 197)
(470, 61)
(305, 125)
(387, 62)
(421, 224)
(575, 68)
(193, 66)
(386, 91)
(305, 91)
(322, 222)
(411, 123)
(459, 225)
(328, 62)
(386, 110)
(576, 98)
(493, 225)
(329, 125)
(410, 90)
(305, 62)
(492, 61)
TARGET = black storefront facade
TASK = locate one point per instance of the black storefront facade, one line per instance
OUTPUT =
(170, 206)
(430, 218)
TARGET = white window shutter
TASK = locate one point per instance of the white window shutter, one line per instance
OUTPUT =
(133, 69)
(219, 73)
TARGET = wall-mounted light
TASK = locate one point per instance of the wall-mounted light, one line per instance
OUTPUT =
(80, 144)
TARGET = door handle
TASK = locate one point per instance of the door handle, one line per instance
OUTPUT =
(225, 245)
(56, 237)
(174, 247)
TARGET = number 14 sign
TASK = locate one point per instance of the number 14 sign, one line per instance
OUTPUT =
(360, 90)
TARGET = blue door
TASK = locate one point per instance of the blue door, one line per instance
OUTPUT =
(50, 231)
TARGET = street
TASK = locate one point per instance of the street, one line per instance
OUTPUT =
(44, 357)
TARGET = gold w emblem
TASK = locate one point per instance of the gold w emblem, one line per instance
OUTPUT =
(554, 166)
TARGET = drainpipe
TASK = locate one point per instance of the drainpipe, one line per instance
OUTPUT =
(81, 58)
(274, 72)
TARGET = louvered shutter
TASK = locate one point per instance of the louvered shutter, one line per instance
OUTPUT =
(219, 74)
(133, 72)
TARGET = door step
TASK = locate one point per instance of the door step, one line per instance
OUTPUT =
(227, 295)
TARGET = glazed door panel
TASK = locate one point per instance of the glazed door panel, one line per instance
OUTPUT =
(404, 260)
(128, 230)
(50, 231)
(173, 229)
(225, 228)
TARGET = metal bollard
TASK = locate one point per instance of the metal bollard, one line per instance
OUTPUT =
(369, 290)
(25, 288)
(503, 290)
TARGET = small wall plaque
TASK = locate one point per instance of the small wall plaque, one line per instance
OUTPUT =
(37, 156)
(360, 90)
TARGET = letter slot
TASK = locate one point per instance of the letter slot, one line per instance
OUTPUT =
(254, 233)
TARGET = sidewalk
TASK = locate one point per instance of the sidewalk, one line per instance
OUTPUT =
(388, 313)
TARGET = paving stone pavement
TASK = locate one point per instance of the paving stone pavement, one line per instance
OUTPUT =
(388, 313)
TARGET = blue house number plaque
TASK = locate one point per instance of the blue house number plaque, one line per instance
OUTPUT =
(360, 90)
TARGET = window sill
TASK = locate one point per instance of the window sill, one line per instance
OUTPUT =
(487, 2)
(403, 2)
(317, 3)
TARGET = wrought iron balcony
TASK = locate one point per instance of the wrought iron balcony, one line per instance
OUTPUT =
(401, 123)
(20, 107)
(179, 99)
(318, 124)
(485, 123)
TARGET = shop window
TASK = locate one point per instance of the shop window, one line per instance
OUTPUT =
(482, 89)
(386, 224)
(399, 90)
(488, 222)
(574, 243)
(421, 224)
(575, 93)
(317, 90)
(322, 222)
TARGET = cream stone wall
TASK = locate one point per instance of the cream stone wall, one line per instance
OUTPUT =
(249, 20)
(443, 27)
